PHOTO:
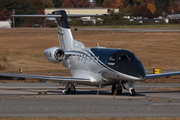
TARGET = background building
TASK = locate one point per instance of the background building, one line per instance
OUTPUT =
(5, 24)
(91, 11)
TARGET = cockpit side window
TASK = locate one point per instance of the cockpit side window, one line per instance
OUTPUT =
(123, 58)
(133, 58)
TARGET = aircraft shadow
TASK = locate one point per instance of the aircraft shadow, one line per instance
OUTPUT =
(160, 92)
(94, 92)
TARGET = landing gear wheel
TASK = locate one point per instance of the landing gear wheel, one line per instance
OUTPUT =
(113, 88)
(68, 91)
(73, 89)
(132, 92)
(119, 89)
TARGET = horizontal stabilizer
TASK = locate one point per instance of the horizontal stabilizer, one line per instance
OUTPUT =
(52, 16)
(57, 16)
(76, 15)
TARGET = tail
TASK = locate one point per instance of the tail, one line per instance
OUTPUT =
(64, 32)
(65, 36)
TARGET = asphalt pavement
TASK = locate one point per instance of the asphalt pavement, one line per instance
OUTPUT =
(47, 99)
(107, 29)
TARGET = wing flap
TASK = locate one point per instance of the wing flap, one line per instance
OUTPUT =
(50, 78)
(162, 75)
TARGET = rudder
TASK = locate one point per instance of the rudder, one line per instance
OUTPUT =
(64, 32)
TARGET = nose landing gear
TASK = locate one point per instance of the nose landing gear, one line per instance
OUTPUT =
(132, 91)
(131, 88)
(118, 88)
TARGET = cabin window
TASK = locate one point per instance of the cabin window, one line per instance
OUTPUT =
(75, 57)
(78, 58)
(84, 58)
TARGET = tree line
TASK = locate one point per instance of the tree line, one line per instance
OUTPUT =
(144, 8)
(34, 7)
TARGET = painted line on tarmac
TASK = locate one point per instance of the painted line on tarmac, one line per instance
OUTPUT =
(166, 104)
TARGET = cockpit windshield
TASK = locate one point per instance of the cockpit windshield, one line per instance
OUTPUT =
(123, 58)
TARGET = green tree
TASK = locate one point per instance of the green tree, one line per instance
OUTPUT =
(138, 2)
(48, 3)
(158, 13)
(162, 5)
(37, 3)
(109, 3)
(75, 3)
(24, 7)
(57, 3)
(8, 5)
(99, 2)
(128, 3)
(141, 11)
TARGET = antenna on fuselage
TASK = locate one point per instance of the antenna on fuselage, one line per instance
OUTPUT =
(98, 45)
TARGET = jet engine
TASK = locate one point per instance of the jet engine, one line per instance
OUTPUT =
(54, 54)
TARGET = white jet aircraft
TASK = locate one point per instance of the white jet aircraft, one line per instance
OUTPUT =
(97, 66)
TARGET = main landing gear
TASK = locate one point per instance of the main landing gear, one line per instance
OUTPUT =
(69, 89)
(118, 88)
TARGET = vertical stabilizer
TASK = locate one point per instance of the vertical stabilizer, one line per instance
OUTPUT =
(64, 32)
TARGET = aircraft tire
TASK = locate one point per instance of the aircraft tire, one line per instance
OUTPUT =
(132, 92)
(73, 89)
(113, 89)
(119, 89)
(68, 91)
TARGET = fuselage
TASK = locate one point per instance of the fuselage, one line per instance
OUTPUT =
(106, 66)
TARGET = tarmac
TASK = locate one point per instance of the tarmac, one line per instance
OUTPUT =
(47, 99)
(106, 29)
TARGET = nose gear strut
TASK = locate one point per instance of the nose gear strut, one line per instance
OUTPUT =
(69, 89)
(121, 85)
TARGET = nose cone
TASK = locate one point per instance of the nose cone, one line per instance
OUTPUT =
(134, 69)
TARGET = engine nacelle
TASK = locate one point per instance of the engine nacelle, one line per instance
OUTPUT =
(54, 54)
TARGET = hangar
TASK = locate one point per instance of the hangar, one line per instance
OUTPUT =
(91, 11)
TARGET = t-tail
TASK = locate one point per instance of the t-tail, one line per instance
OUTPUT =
(65, 36)
(64, 32)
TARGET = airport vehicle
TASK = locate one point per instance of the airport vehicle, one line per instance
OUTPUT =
(98, 66)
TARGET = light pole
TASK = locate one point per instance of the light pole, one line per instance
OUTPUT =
(13, 18)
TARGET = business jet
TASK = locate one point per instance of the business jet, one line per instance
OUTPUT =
(97, 66)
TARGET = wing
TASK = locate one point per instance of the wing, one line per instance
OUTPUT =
(162, 75)
(50, 78)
